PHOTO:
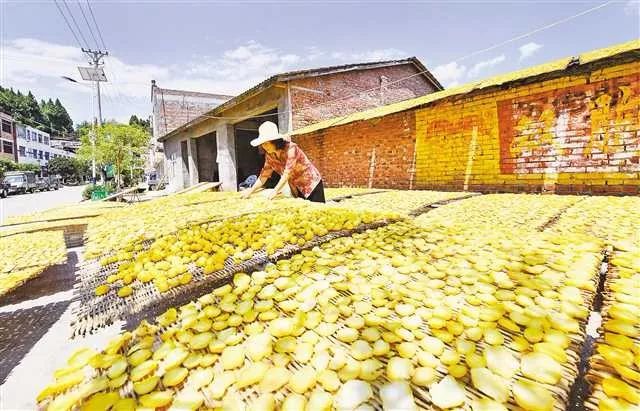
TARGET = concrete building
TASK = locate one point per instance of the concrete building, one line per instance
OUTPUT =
(7, 138)
(70, 146)
(171, 109)
(215, 145)
(34, 147)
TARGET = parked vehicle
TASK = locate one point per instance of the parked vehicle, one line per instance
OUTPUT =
(55, 182)
(21, 181)
(151, 180)
(42, 183)
(4, 189)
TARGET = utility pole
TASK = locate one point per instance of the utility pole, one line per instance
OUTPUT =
(95, 57)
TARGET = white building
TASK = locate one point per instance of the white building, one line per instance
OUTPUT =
(34, 147)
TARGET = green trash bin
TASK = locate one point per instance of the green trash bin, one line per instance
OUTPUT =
(99, 193)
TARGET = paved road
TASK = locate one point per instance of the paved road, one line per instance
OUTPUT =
(31, 203)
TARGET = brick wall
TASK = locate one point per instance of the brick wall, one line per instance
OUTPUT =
(375, 153)
(173, 108)
(574, 134)
(309, 107)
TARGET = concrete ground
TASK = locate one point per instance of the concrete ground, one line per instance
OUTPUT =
(39, 201)
(35, 330)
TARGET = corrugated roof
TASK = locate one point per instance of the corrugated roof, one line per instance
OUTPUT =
(301, 74)
(519, 75)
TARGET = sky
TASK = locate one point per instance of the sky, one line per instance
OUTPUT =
(228, 46)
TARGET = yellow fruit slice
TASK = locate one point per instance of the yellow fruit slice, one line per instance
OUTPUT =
(490, 384)
(541, 367)
(102, 289)
(447, 393)
(303, 380)
(138, 357)
(81, 357)
(397, 395)
(125, 404)
(352, 394)
(399, 368)
(117, 368)
(275, 379)
(143, 370)
(532, 396)
(146, 386)
(220, 384)
(251, 374)
(125, 291)
(294, 402)
(62, 384)
(187, 399)
(232, 357)
(101, 401)
(156, 399)
(174, 376)
(201, 341)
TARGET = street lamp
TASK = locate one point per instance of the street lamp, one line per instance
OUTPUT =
(92, 133)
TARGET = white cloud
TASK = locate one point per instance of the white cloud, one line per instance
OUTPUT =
(371, 55)
(30, 64)
(528, 50)
(483, 65)
(449, 74)
(632, 7)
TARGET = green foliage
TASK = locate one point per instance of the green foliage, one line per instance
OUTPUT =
(144, 124)
(88, 190)
(8, 165)
(120, 145)
(63, 166)
(48, 116)
(29, 167)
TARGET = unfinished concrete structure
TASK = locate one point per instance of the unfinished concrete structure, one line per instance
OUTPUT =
(215, 146)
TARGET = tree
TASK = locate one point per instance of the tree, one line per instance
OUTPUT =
(145, 124)
(119, 145)
(64, 166)
(49, 116)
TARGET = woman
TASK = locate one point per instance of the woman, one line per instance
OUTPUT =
(290, 162)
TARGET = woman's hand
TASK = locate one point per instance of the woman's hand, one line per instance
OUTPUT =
(246, 193)
(272, 195)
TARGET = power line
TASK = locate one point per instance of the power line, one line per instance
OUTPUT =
(64, 2)
(96, 24)
(500, 44)
(84, 16)
(68, 24)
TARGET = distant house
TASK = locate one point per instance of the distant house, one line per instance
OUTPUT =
(214, 146)
(36, 147)
(7, 138)
(173, 108)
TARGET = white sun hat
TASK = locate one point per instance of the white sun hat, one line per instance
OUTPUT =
(268, 131)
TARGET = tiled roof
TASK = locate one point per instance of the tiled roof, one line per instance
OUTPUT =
(302, 74)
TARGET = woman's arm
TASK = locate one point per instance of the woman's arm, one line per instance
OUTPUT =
(284, 179)
(260, 181)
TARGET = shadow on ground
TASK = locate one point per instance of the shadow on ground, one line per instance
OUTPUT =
(22, 329)
(53, 280)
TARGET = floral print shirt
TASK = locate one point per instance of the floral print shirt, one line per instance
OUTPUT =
(303, 175)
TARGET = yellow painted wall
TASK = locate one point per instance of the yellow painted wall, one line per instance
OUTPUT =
(579, 130)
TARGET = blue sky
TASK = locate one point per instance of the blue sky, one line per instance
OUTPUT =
(226, 47)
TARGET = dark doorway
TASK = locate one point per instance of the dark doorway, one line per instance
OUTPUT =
(249, 159)
(184, 151)
(207, 158)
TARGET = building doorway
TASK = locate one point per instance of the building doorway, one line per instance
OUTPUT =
(249, 159)
(207, 154)
(184, 152)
